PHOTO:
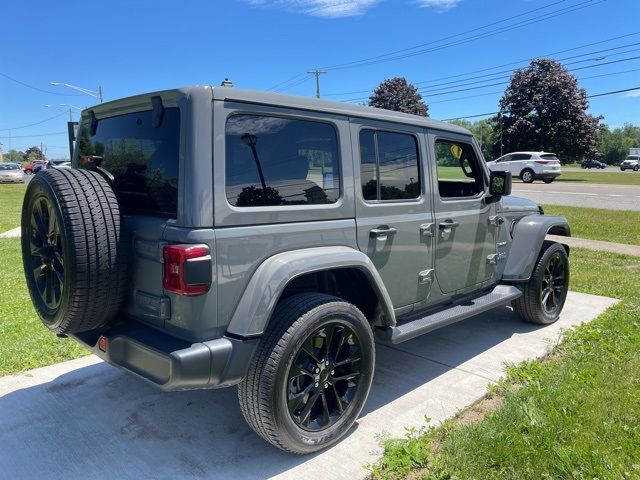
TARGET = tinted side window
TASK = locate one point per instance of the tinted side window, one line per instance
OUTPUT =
(389, 165)
(142, 159)
(459, 172)
(521, 156)
(280, 161)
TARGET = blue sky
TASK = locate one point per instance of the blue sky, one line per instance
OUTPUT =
(132, 47)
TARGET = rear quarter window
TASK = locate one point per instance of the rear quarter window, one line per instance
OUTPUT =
(272, 161)
(142, 159)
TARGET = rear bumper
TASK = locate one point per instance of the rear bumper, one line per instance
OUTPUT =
(169, 363)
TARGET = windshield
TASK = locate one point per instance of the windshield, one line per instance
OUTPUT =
(9, 166)
(142, 158)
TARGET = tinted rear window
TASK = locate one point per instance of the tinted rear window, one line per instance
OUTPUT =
(142, 159)
(550, 156)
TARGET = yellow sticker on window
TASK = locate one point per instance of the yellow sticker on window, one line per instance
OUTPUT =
(456, 151)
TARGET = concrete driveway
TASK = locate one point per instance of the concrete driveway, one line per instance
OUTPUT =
(84, 419)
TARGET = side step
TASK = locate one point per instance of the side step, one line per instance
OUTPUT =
(499, 296)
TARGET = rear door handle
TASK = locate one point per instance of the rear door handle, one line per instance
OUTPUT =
(448, 224)
(382, 232)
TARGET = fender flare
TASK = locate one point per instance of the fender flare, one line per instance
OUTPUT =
(528, 235)
(259, 299)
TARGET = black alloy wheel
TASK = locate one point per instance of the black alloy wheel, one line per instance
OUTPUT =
(544, 295)
(554, 283)
(47, 255)
(324, 376)
(311, 373)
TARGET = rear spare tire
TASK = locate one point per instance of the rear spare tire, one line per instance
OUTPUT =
(73, 252)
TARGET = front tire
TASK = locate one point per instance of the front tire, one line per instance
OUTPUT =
(527, 176)
(546, 291)
(311, 374)
(636, 168)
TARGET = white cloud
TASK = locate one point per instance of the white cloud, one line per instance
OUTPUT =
(438, 5)
(633, 93)
(321, 8)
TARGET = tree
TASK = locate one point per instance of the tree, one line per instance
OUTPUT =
(399, 95)
(33, 153)
(544, 109)
(14, 156)
(614, 144)
(485, 132)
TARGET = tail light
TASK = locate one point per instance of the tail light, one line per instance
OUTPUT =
(187, 269)
(543, 162)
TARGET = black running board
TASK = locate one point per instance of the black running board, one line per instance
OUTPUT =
(499, 296)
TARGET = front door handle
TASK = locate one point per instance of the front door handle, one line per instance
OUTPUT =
(382, 232)
(448, 224)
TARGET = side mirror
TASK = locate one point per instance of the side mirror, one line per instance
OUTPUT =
(500, 184)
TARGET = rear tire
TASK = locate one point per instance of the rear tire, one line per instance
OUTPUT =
(527, 175)
(548, 180)
(546, 291)
(636, 168)
(73, 254)
(295, 395)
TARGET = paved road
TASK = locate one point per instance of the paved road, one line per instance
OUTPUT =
(86, 420)
(613, 197)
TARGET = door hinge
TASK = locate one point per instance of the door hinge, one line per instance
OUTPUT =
(492, 259)
(427, 229)
(496, 220)
(425, 277)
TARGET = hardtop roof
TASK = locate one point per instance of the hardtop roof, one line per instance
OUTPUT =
(288, 101)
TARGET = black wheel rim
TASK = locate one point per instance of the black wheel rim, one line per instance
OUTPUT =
(554, 283)
(324, 377)
(47, 261)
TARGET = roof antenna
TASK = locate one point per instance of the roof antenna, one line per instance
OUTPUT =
(226, 83)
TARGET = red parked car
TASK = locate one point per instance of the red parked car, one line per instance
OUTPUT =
(36, 165)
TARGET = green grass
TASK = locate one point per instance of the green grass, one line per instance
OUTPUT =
(575, 414)
(609, 178)
(10, 205)
(620, 226)
(24, 342)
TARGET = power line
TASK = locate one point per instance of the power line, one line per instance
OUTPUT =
(588, 96)
(502, 91)
(441, 39)
(470, 85)
(306, 78)
(394, 55)
(33, 124)
(36, 88)
(35, 135)
(466, 74)
(295, 77)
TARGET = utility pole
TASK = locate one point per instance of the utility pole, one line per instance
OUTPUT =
(317, 73)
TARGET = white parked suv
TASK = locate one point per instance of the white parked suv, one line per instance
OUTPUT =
(529, 166)
(632, 162)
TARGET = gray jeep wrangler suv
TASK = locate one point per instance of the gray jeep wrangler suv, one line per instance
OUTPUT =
(208, 237)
